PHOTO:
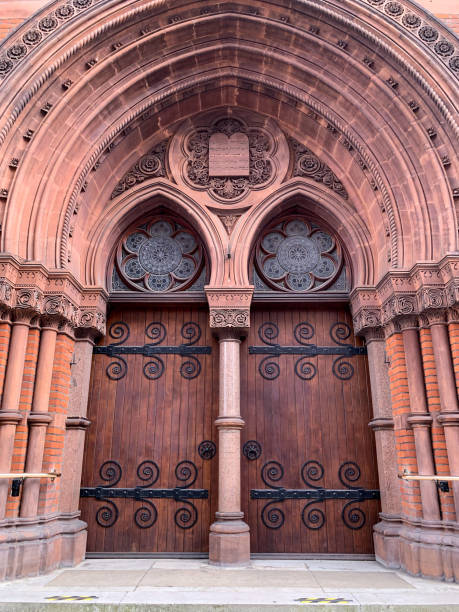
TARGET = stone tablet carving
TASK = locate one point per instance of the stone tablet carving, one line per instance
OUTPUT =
(229, 156)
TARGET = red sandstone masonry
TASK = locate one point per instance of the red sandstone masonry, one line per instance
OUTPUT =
(438, 436)
(404, 438)
(25, 404)
(55, 434)
(5, 333)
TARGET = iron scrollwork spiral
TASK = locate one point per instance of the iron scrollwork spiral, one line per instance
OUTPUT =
(186, 472)
(303, 331)
(120, 332)
(348, 473)
(186, 516)
(191, 332)
(342, 369)
(146, 516)
(110, 472)
(207, 450)
(148, 472)
(191, 368)
(156, 331)
(272, 472)
(272, 517)
(107, 515)
(268, 332)
(117, 369)
(353, 517)
(340, 332)
(269, 369)
(314, 518)
(312, 471)
(252, 450)
(305, 369)
(154, 368)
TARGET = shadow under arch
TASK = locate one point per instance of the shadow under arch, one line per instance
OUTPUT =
(317, 200)
(145, 198)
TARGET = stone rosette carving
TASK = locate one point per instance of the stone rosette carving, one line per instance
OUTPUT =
(307, 164)
(151, 165)
(229, 189)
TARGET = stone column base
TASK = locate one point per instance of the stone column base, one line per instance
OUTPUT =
(29, 547)
(229, 543)
(422, 548)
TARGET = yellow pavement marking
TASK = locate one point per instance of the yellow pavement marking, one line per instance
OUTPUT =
(71, 597)
(324, 600)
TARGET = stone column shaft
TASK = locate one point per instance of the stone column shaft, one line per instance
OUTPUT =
(449, 415)
(383, 425)
(420, 420)
(229, 541)
(38, 420)
(9, 414)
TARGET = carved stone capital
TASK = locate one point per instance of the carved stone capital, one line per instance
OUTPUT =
(229, 317)
(408, 322)
(372, 334)
(435, 316)
(432, 297)
(392, 327)
(452, 315)
(229, 307)
(231, 422)
(365, 320)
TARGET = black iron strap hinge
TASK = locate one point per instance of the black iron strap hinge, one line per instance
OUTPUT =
(139, 493)
(148, 350)
(319, 494)
(310, 350)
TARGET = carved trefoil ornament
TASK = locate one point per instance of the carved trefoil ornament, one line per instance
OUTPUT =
(151, 165)
(229, 159)
(307, 164)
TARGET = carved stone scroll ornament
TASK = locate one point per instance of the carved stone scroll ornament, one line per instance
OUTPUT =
(307, 164)
(229, 307)
(245, 151)
(229, 317)
(151, 165)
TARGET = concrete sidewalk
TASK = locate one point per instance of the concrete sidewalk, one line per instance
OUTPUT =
(192, 584)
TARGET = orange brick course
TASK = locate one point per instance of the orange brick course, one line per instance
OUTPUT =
(438, 436)
(404, 438)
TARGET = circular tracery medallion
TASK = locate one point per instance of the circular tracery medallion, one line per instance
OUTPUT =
(297, 255)
(161, 255)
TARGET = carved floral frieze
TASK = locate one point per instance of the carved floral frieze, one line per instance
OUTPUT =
(428, 293)
(229, 307)
(28, 291)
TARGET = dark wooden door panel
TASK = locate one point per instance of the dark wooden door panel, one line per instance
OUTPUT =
(152, 408)
(308, 408)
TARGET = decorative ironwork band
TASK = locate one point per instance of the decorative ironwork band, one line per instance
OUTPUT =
(153, 369)
(306, 370)
(312, 517)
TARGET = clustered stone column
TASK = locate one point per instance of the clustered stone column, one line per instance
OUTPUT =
(9, 413)
(229, 538)
(40, 529)
(414, 309)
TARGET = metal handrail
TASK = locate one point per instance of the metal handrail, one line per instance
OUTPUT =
(22, 475)
(414, 477)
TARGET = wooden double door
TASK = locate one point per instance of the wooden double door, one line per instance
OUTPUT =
(151, 468)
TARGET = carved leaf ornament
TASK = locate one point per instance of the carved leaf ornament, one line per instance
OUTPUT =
(297, 255)
(161, 255)
(228, 159)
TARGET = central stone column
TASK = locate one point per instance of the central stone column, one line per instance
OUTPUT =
(229, 539)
